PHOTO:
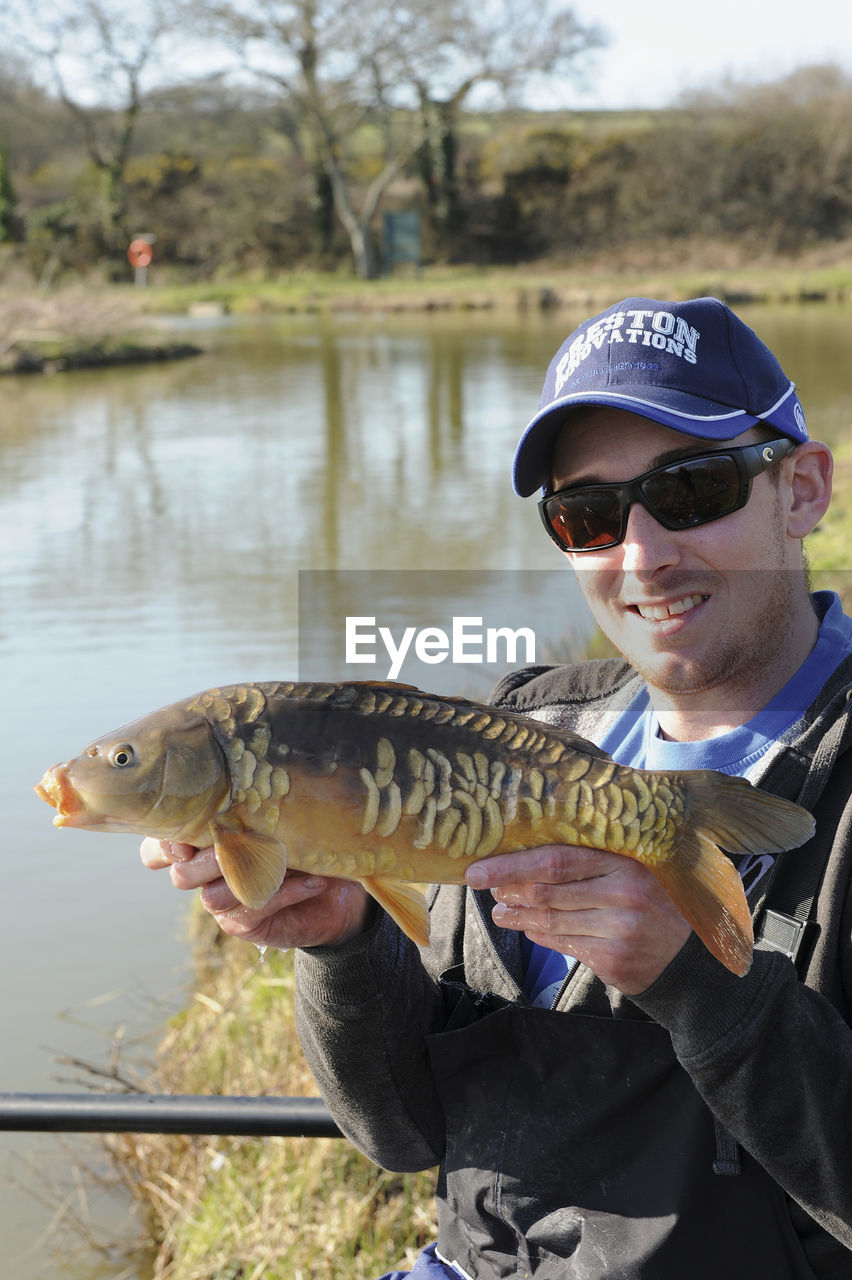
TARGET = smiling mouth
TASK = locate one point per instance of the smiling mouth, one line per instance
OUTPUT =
(673, 609)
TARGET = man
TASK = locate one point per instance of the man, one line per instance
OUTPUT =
(604, 1098)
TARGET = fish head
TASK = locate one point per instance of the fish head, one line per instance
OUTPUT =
(164, 775)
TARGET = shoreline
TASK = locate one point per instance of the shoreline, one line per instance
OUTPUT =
(47, 333)
(98, 325)
(86, 355)
(539, 288)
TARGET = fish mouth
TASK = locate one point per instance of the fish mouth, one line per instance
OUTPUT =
(56, 789)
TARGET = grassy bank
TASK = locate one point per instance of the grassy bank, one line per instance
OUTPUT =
(216, 1208)
(540, 286)
(90, 325)
(824, 275)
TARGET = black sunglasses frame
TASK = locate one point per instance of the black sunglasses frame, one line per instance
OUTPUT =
(750, 460)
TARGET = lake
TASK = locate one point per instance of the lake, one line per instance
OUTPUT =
(167, 528)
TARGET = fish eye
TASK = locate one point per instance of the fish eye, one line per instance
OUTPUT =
(121, 756)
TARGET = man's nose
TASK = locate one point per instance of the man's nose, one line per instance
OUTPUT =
(647, 546)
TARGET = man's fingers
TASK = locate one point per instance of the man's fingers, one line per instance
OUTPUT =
(627, 885)
(296, 887)
(157, 854)
(189, 868)
(305, 911)
(197, 871)
(549, 864)
(589, 923)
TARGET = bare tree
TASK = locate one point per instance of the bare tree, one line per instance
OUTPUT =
(333, 62)
(364, 85)
(496, 50)
(370, 83)
(95, 55)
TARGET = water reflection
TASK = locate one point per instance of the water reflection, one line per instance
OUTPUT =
(195, 494)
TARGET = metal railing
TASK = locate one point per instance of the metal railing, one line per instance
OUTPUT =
(166, 1113)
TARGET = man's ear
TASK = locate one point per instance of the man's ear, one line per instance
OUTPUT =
(808, 473)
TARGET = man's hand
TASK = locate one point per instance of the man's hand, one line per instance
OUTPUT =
(607, 910)
(307, 911)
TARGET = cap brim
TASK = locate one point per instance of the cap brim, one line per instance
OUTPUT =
(694, 416)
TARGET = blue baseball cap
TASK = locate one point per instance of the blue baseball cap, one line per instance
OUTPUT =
(693, 366)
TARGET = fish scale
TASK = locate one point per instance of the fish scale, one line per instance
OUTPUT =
(392, 789)
(386, 784)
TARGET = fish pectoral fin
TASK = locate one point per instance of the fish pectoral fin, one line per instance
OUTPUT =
(405, 903)
(253, 865)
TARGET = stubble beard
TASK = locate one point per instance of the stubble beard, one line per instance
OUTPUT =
(736, 661)
(740, 660)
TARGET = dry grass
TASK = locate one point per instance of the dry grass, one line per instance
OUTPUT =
(278, 1208)
(76, 329)
(60, 317)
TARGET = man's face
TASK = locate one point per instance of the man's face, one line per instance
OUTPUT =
(690, 609)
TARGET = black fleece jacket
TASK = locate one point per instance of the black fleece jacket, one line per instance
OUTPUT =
(770, 1053)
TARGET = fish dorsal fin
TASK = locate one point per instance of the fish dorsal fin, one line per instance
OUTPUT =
(574, 741)
(253, 865)
(391, 685)
(387, 684)
(405, 903)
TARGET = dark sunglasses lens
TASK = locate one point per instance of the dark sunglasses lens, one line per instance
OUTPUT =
(694, 492)
(586, 519)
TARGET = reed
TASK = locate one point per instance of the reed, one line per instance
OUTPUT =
(219, 1208)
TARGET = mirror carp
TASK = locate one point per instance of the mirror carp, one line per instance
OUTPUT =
(397, 788)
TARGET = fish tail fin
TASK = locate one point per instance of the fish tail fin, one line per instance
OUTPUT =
(742, 818)
(703, 883)
(405, 903)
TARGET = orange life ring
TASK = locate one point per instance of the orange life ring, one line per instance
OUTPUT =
(140, 253)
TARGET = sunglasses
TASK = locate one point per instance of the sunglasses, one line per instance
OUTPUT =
(680, 495)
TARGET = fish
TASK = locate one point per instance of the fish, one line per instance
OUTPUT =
(385, 784)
